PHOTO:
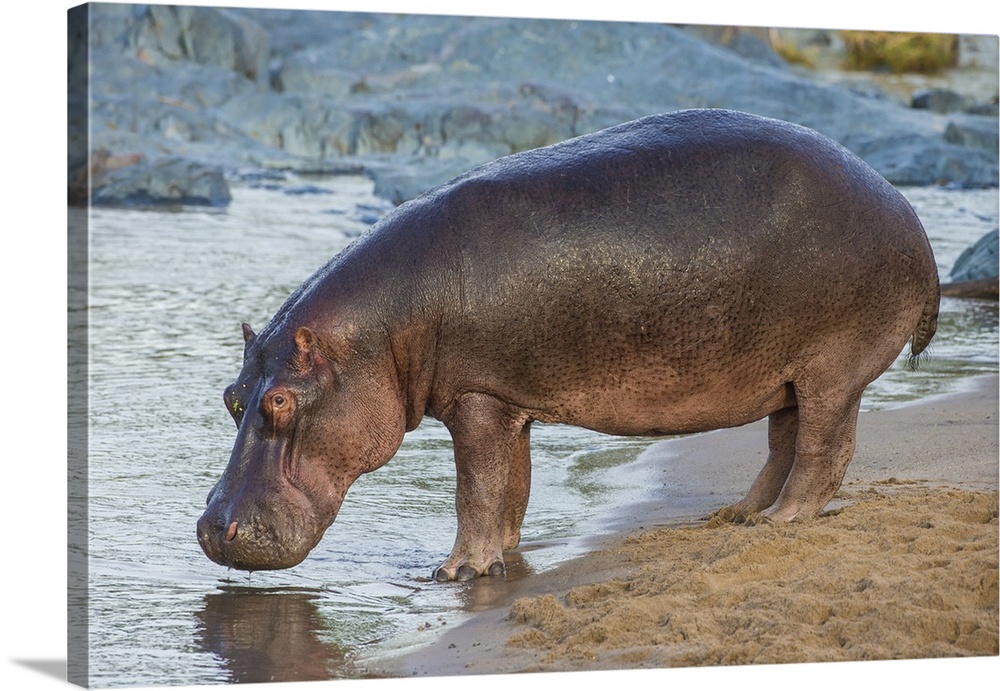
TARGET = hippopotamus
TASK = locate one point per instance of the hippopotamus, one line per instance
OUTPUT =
(679, 273)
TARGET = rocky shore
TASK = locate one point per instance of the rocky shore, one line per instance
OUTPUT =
(185, 100)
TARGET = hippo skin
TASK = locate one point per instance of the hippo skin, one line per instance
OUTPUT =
(679, 273)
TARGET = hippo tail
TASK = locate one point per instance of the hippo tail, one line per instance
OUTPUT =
(925, 329)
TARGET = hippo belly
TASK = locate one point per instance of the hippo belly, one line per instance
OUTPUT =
(679, 273)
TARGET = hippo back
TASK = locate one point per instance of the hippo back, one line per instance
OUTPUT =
(666, 246)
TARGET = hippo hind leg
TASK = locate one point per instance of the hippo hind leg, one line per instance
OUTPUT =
(824, 447)
(782, 429)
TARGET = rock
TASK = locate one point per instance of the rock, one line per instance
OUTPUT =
(975, 274)
(412, 98)
(948, 101)
(983, 289)
(93, 170)
(466, 77)
(991, 109)
(976, 132)
(912, 160)
(400, 180)
(206, 36)
(171, 181)
(298, 74)
(752, 43)
(938, 100)
(979, 261)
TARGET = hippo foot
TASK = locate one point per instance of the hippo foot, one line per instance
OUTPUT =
(778, 513)
(729, 514)
(744, 516)
(783, 514)
(757, 518)
(465, 572)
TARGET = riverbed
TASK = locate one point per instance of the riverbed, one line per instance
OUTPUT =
(168, 292)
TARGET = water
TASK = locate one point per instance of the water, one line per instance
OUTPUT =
(169, 290)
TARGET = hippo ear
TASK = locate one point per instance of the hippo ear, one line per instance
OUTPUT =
(331, 348)
(307, 353)
(305, 339)
(248, 334)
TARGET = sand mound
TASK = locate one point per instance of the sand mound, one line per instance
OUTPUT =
(903, 571)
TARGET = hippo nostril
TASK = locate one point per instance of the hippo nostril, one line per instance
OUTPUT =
(231, 532)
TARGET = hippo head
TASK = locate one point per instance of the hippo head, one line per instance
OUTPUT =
(313, 414)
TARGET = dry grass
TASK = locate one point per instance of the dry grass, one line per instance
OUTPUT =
(899, 52)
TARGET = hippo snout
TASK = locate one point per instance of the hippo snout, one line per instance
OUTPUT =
(252, 540)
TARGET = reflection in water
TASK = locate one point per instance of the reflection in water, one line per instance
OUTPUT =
(482, 594)
(264, 634)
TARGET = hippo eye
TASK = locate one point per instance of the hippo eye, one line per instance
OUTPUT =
(278, 408)
(280, 402)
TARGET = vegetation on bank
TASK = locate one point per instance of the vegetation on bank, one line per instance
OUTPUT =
(899, 52)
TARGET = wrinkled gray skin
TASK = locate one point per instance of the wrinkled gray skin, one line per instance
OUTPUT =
(680, 273)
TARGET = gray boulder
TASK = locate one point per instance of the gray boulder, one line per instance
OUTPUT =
(203, 35)
(976, 273)
(938, 100)
(979, 261)
(978, 133)
(167, 182)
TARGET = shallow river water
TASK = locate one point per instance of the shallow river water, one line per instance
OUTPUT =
(168, 293)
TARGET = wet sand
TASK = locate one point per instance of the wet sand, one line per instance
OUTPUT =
(902, 565)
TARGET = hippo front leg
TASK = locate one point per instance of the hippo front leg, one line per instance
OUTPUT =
(485, 433)
(518, 488)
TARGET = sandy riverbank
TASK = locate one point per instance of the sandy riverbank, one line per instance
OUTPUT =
(903, 564)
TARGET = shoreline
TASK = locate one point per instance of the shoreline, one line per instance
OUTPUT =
(904, 449)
